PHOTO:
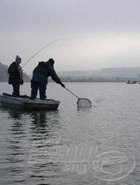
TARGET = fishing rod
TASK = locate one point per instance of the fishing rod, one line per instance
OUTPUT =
(81, 102)
(49, 44)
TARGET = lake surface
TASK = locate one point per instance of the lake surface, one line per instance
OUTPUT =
(70, 146)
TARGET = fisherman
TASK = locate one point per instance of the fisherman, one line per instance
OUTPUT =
(15, 76)
(40, 78)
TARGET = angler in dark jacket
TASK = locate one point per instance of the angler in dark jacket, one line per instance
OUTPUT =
(40, 78)
(15, 76)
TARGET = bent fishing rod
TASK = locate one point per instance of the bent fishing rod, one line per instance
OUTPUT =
(46, 46)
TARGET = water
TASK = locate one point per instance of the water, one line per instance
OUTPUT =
(38, 148)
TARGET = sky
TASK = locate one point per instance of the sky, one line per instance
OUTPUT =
(78, 34)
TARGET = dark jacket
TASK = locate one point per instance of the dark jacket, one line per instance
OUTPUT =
(43, 71)
(14, 74)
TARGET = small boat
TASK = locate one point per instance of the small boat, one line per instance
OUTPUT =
(129, 82)
(23, 102)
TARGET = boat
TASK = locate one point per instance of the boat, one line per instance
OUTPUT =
(23, 102)
(129, 82)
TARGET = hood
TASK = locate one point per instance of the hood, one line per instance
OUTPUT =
(50, 62)
(42, 64)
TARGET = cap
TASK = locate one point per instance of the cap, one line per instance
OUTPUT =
(18, 59)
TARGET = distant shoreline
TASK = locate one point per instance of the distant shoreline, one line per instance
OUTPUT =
(80, 82)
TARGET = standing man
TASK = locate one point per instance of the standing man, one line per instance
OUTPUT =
(15, 76)
(40, 78)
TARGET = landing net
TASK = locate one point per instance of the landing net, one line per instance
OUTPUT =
(84, 103)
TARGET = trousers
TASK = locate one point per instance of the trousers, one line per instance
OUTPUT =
(35, 86)
(16, 89)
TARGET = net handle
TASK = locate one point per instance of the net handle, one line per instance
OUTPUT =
(72, 93)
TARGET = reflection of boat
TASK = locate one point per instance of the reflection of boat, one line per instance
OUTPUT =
(24, 102)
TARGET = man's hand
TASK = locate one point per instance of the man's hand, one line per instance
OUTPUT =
(62, 85)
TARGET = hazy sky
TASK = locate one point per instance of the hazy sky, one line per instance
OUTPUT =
(85, 34)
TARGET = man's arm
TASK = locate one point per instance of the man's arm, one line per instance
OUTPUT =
(55, 77)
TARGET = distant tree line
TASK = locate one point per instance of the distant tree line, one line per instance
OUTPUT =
(4, 77)
(96, 79)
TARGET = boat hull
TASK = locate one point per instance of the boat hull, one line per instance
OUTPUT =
(25, 103)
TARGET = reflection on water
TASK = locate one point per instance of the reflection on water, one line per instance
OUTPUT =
(14, 114)
(28, 131)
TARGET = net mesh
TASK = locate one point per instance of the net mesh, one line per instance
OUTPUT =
(84, 103)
